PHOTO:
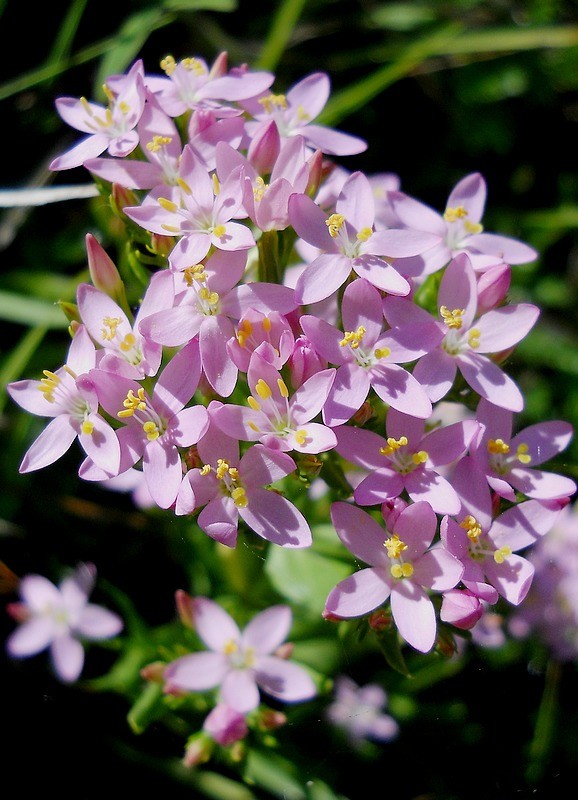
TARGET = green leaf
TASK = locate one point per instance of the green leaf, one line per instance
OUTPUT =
(19, 357)
(29, 311)
(304, 577)
(200, 5)
(148, 707)
(390, 645)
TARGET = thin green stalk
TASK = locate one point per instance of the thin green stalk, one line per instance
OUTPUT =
(280, 33)
(541, 745)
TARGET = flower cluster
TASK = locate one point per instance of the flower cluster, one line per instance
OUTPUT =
(298, 322)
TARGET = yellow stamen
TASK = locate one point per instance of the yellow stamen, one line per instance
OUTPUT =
(473, 528)
(394, 546)
(205, 469)
(259, 189)
(420, 457)
(453, 319)
(382, 352)
(302, 115)
(301, 437)
(194, 273)
(239, 497)
(474, 338)
(522, 454)
(253, 404)
(266, 323)
(498, 446)
(501, 554)
(184, 186)
(132, 403)
(273, 101)
(128, 342)
(157, 143)
(393, 445)
(48, 384)
(194, 65)
(87, 427)
(334, 224)
(263, 389)
(473, 227)
(168, 65)
(401, 570)
(168, 205)
(284, 391)
(230, 647)
(151, 430)
(364, 234)
(219, 230)
(216, 184)
(453, 214)
(353, 338)
(110, 325)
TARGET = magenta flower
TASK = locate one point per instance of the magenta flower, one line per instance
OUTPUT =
(367, 357)
(489, 551)
(508, 461)
(402, 567)
(158, 424)
(201, 218)
(459, 228)
(230, 487)
(294, 112)
(275, 418)
(190, 84)
(407, 459)
(240, 663)
(349, 242)
(469, 340)
(71, 400)
(59, 618)
(111, 128)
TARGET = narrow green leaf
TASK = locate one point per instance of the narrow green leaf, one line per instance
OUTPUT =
(280, 32)
(147, 708)
(15, 365)
(200, 5)
(30, 311)
(269, 771)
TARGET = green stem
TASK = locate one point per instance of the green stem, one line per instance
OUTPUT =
(280, 33)
(542, 741)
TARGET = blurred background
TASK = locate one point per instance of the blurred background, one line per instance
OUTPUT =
(438, 90)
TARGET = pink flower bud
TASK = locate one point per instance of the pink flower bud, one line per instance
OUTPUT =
(103, 272)
(264, 148)
(304, 361)
(185, 607)
(285, 650)
(379, 620)
(315, 164)
(225, 725)
(391, 509)
(461, 608)
(153, 672)
(269, 720)
(199, 750)
(493, 286)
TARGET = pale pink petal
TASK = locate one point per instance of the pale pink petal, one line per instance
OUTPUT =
(322, 277)
(429, 486)
(312, 437)
(360, 533)
(399, 388)
(380, 485)
(196, 672)
(381, 274)
(505, 248)
(219, 520)
(458, 288)
(179, 379)
(470, 193)
(189, 425)
(350, 389)
(414, 615)
(360, 446)
(359, 594)
(332, 141)
(436, 373)
(239, 690)
(545, 440)
(38, 592)
(261, 466)
(512, 578)
(504, 327)
(275, 518)
(541, 485)
(490, 381)
(524, 524)
(268, 629)
(284, 680)
(416, 215)
(163, 472)
(90, 147)
(438, 570)
(98, 623)
(416, 527)
(31, 637)
(67, 655)
(309, 398)
(101, 445)
(218, 367)
(55, 440)
(308, 220)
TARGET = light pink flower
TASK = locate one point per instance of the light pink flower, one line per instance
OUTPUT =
(59, 618)
(69, 398)
(240, 663)
(358, 711)
(402, 567)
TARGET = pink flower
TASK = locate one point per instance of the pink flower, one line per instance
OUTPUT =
(59, 618)
(348, 241)
(402, 567)
(294, 112)
(276, 418)
(461, 608)
(158, 424)
(459, 228)
(407, 459)
(367, 357)
(111, 128)
(358, 711)
(230, 487)
(240, 663)
(69, 397)
(508, 461)
(470, 340)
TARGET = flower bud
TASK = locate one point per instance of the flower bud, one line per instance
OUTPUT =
(153, 672)
(225, 725)
(379, 620)
(391, 509)
(315, 164)
(461, 608)
(264, 148)
(269, 720)
(493, 286)
(304, 361)
(185, 607)
(199, 750)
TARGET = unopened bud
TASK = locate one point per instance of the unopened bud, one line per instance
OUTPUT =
(264, 148)
(493, 286)
(153, 672)
(199, 750)
(379, 620)
(269, 720)
(185, 607)
(285, 650)
(363, 414)
(161, 245)
(461, 608)
(315, 164)
(304, 361)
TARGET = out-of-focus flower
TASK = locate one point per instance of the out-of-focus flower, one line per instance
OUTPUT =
(358, 711)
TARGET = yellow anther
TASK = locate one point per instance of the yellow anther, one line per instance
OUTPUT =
(260, 188)
(128, 342)
(212, 298)
(254, 427)
(453, 319)
(420, 457)
(473, 528)
(266, 323)
(302, 115)
(168, 65)
(184, 186)
(87, 427)
(301, 436)
(273, 101)
(334, 224)
(108, 93)
(124, 107)
(205, 469)
(353, 338)
(473, 227)
(394, 546)
(239, 497)
(216, 184)
(85, 104)
(522, 454)
(151, 430)
(234, 473)
(222, 468)
(253, 404)
(157, 143)
(170, 228)
(453, 214)
(219, 230)
(263, 389)
(283, 390)
(393, 445)
(194, 65)
(382, 352)
(402, 570)
(132, 403)
(168, 205)
(474, 338)
(364, 234)
(501, 554)
(194, 273)
(110, 325)
(230, 647)
(48, 384)
(498, 446)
